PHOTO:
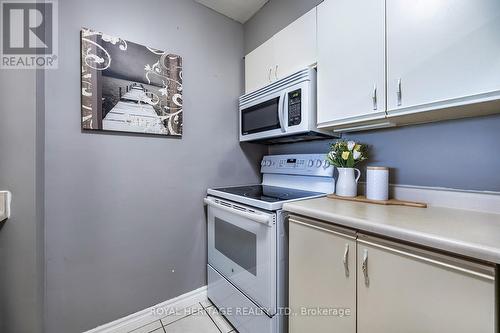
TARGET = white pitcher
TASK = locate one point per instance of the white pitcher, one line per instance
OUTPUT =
(347, 183)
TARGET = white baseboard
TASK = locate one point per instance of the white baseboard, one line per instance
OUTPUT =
(146, 316)
(482, 201)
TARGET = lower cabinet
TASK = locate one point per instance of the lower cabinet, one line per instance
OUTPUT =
(322, 278)
(403, 289)
(398, 288)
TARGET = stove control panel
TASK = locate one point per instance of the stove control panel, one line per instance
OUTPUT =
(298, 164)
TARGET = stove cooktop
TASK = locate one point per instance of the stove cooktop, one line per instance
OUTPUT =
(267, 193)
(263, 196)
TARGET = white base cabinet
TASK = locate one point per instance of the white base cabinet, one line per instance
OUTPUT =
(322, 269)
(391, 287)
(403, 289)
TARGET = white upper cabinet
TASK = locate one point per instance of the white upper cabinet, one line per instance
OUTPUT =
(385, 62)
(442, 53)
(295, 46)
(290, 50)
(259, 66)
(351, 61)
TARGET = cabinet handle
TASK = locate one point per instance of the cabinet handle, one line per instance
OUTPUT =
(276, 72)
(281, 112)
(364, 267)
(269, 75)
(374, 97)
(400, 93)
(346, 260)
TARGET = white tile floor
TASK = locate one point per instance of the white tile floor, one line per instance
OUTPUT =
(201, 317)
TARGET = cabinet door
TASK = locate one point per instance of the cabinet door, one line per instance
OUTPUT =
(322, 277)
(351, 61)
(295, 46)
(401, 289)
(442, 52)
(259, 66)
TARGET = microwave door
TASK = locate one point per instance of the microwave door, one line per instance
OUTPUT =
(262, 117)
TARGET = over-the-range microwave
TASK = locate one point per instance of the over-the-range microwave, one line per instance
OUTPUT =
(284, 111)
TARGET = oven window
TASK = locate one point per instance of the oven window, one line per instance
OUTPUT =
(237, 244)
(261, 117)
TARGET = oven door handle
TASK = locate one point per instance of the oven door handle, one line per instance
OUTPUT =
(281, 111)
(264, 218)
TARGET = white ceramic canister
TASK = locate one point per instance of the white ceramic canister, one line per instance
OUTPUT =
(377, 183)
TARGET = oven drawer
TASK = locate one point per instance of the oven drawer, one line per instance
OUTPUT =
(243, 314)
(242, 247)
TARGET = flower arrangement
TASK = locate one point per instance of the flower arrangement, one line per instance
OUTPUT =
(346, 154)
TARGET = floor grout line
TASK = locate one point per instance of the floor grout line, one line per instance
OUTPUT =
(213, 321)
(203, 308)
(172, 322)
(184, 317)
(163, 326)
(137, 328)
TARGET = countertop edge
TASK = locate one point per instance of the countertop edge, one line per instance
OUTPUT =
(471, 250)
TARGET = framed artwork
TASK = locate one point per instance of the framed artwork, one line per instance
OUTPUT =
(127, 87)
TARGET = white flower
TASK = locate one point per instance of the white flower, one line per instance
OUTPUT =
(331, 155)
(350, 145)
(356, 154)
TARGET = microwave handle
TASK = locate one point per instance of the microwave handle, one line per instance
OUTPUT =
(281, 112)
(265, 219)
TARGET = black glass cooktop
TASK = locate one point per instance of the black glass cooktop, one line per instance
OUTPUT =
(268, 193)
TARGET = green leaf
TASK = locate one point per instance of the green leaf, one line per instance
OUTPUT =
(350, 161)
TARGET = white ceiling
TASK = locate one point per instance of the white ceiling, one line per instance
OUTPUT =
(239, 10)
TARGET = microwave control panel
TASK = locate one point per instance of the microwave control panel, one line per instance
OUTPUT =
(294, 107)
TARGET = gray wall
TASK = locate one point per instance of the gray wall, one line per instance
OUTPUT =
(21, 237)
(458, 154)
(125, 223)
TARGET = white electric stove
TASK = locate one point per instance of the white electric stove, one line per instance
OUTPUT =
(247, 240)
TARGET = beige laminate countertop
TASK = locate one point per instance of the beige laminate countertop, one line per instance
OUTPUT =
(467, 233)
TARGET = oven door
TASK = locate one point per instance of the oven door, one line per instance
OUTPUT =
(242, 247)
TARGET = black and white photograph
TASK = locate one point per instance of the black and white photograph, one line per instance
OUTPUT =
(127, 87)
